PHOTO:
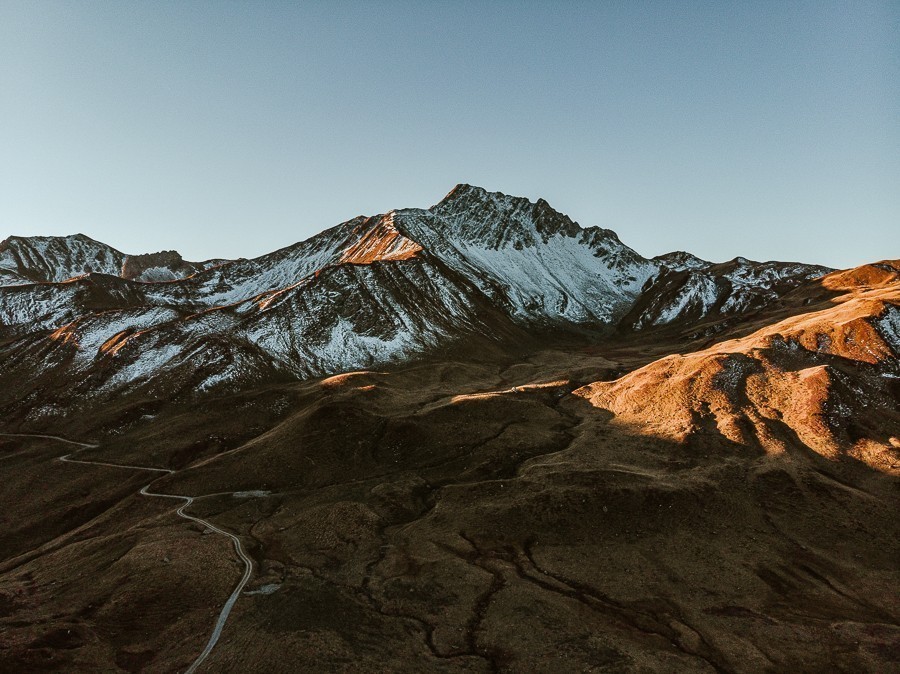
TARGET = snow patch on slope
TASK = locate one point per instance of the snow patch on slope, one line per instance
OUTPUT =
(57, 258)
(37, 307)
(89, 334)
(156, 275)
(347, 348)
(559, 279)
(701, 294)
(888, 326)
(529, 257)
(751, 280)
(152, 360)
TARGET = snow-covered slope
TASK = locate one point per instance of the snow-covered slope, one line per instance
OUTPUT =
(57, 258)
(679, 260)
(539, 262)
(370, 291)
(52, 259)
(37, 307)
(346, 317)
(692, 289)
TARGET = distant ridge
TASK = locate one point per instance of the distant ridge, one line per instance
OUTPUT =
(478, 267)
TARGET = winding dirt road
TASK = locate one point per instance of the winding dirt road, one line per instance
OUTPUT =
(229, 604)
(188, 500)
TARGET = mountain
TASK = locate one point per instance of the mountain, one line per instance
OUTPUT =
(827, 377)
(476, 437)
(53, 259)
(695, 290)
(370, 291)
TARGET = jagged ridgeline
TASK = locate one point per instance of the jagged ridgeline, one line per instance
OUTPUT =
(476, 437)
(477, 269)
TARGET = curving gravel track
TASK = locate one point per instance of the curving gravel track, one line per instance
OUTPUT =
(188, 500)
(48, 437)
(229, 604)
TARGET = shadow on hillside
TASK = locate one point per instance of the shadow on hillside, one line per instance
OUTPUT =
(465, 514)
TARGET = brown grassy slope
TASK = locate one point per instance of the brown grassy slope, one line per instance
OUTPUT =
(829, 376)
(715, 511)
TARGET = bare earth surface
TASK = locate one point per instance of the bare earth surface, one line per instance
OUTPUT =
(723, 505)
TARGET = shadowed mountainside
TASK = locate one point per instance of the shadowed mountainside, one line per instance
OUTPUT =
(616, 465)
(605, 506)
(478, 268)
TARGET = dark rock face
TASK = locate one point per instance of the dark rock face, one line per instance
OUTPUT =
(167, 265)
(473, 214)
(385, 289)
(471, 438)
(53, 259)
(679, 260)
(641, 503)
(43, 259)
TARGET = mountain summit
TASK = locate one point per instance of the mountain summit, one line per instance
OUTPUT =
(476, 437)
(478, 267)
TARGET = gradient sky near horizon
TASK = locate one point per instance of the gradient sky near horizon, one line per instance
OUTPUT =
(225, 129)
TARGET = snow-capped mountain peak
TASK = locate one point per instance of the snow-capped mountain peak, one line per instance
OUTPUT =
(53, 259)
(478, 265)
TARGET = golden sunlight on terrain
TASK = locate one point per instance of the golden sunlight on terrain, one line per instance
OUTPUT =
(65, 334)
(882, 274)
(785, 382)
(382, 243)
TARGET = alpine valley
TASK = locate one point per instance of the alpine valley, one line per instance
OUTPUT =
(471, 438)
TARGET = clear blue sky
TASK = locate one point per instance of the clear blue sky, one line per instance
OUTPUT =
(224, 129)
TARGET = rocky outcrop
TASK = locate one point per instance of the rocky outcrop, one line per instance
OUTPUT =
(478, 267)
(166, 265)
(52, 259)
(826, 376)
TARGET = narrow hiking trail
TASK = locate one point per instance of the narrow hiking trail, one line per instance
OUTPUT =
(188, 500)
